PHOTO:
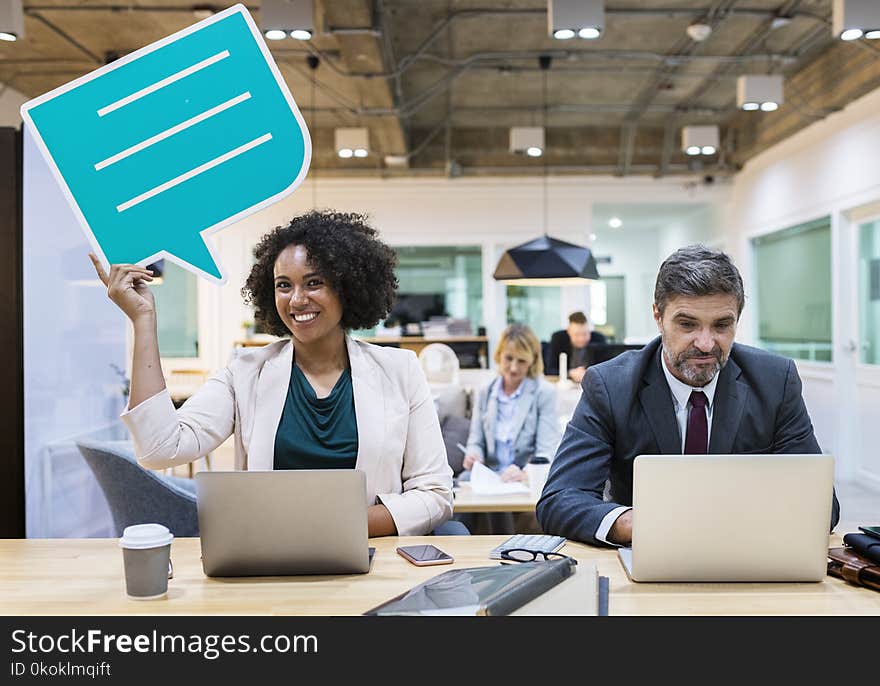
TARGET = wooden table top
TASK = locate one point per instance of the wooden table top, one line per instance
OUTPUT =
(85, 577)
(468, 501)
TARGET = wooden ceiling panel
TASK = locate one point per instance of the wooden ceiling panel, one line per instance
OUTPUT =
(39, 44)
(479, 74)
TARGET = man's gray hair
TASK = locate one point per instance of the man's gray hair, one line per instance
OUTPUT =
(697, 270)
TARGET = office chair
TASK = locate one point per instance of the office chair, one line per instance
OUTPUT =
(137, 495)
(440, 363)
(545, 357)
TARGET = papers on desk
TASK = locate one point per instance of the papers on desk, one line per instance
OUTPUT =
(486, 482)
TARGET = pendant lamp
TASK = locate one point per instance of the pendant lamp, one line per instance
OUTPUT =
(546, 261)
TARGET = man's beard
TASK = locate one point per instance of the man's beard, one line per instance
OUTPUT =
(694, 376)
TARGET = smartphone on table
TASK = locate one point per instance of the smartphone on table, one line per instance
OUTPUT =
(873, 531)
(425, 555)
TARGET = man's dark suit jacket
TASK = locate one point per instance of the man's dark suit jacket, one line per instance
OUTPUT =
(561, 343)
(626, 409)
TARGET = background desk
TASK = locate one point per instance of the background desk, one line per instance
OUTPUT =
(468, 348)
(468, 501)
(84, 577)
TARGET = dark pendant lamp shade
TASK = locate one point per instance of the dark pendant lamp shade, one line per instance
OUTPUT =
(546, 261)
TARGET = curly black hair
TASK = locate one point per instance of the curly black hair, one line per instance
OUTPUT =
(346, 252)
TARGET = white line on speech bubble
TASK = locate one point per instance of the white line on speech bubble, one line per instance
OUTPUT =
(201, 169)
(152, 140)
(167, 81)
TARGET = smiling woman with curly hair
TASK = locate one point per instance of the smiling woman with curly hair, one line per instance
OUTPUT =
(317, 399)
(345, 250)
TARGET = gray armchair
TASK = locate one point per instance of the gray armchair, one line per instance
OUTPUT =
(137, 495)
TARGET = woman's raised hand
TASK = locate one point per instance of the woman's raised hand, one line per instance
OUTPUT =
(127, 287)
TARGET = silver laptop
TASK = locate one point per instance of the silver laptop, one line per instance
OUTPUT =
(730, 518)
(283, 522)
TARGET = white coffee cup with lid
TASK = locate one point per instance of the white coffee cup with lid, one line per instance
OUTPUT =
(537, 471)
(146, 551)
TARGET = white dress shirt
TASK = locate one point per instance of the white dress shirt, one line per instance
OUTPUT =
(504, 439)
(681, 394)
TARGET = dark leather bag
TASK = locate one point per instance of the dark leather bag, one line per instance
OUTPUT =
(845, 564)
(864, 545)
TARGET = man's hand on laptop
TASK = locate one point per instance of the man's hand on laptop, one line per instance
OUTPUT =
(621, 531)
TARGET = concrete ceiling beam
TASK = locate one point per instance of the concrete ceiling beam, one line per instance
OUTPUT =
(364, 53)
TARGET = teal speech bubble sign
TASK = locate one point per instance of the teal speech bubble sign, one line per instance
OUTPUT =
(174, 141)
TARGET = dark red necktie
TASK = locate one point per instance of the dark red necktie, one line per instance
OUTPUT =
(696, 441)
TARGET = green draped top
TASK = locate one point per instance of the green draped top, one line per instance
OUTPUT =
(317, 433)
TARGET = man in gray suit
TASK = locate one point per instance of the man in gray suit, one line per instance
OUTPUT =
(691, 390)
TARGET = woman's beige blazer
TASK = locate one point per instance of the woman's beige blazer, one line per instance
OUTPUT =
(399, 443)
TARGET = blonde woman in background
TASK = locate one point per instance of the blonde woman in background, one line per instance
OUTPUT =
(514, 417)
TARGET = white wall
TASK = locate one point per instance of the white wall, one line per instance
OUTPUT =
(635, 256)
(493, 213)
(831, 168)
(704, 225)
(10, 101)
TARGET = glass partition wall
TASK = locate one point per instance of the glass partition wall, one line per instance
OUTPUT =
(177, 312)
(793, 273)
(437, 281)
(869, 292)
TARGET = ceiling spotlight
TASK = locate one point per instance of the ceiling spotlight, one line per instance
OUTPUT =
(282, 18)
(563, 16)
(767, 90)
(699, 30)
(352, 142)
(593, 237)
(751, 106)
(615, 222)
(275, 34)
(528, 140)
(11, 20)
(873, 34)
(700, 140)
(853, 19)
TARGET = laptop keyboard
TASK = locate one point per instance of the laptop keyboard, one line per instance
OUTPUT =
(538, 542)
